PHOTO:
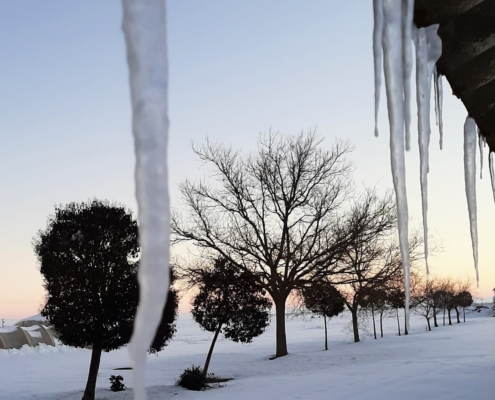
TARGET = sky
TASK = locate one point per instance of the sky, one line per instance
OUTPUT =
(237, 69)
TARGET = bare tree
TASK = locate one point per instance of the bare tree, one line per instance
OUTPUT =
(422, 299)
(274, 213)
(373, 260)
(396, 299)
(448, 290)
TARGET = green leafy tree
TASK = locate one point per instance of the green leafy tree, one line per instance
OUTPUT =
(88, 257)
(230, 301)
(323, 299)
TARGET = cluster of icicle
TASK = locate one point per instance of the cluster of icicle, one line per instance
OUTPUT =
(393, 36)
(145, 36)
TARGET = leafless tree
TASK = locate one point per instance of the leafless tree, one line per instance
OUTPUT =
(422, 298)
(372, 262)
(276, 213)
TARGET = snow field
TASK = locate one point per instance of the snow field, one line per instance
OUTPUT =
(451, 362)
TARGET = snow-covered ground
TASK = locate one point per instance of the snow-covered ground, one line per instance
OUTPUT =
(451, 362)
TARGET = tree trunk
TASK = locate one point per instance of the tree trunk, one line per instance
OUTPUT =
(381, 324)
(464, 313)
(429, 327)
(94, 366)
(355, 326)
(405, 323)
(398, 322)
(444, 317)
(210, 352)
(280, 327)
(450, 319)
(373, 317)
(458, 315)
(435, 317)
(326, 336)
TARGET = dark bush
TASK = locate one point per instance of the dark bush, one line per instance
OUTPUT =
(192, 379)
(117, 383)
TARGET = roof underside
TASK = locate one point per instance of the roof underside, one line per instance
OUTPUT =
(467, 30)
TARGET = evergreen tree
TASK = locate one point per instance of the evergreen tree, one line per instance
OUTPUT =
(88, 257)
(375, 300)
(323, 299)
(231, 301)
(464, 299)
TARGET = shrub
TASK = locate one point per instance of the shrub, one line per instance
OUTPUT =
(117, 383)
(192, 379)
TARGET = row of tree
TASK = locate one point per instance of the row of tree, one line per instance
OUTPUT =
(288, 214)
(88, 257)
(432, 295)
(281, 221)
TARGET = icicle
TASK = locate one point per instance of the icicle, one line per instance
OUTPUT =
(435, 86)
(144, 31)
(480, 145)
(423, 90)
(428, 50)
(407, 60)
(377, 54)
(392, 57)
(492, 172)
(439, 105)
(470, 184)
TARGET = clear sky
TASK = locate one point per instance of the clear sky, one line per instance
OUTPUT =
(237, 68)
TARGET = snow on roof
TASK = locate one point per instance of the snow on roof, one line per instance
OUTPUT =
(37, 317)
(8, 329)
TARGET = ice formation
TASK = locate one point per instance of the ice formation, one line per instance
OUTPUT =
(377, 54)
(439, 105)
(492, 172)
(394, 26)
(428, 51)
(145, 35)
(470, 184)
(481, 145)
(407, 65)
(394, 83)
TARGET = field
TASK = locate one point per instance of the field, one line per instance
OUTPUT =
(451, 362)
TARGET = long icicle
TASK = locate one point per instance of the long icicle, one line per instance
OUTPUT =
(392, 57)
(438, 85)
(492, 172)
(480, 145)
(377, 54)
(407, 61)
(428, 51)
(470, 185)
(423, 90)
(437, 80)
(435, 86)
(144, 26)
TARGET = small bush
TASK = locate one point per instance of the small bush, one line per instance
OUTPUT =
(117, 383)
(192, 379)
